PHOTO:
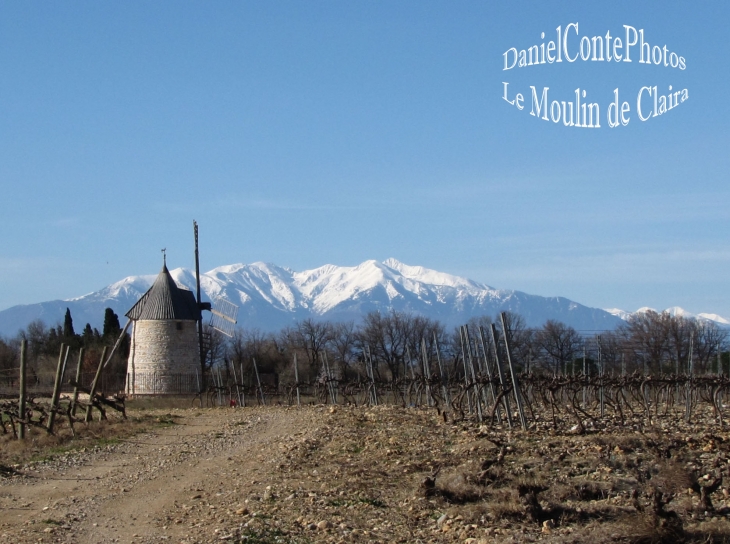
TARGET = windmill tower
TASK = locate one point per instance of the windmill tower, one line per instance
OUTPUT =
(163, 355)
(170, 348)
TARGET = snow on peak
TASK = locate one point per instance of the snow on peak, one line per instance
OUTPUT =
(129, 286)
(431, 277)
(327, 286)
(226, 269)
(618, 312)
(674, 311)
(714, 317)
(271, 297)
(265, 291)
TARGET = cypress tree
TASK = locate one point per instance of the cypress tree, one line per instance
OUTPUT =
(68, 325)
(88, 336)
(111, 324)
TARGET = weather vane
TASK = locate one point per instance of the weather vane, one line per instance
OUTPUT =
(164, 256)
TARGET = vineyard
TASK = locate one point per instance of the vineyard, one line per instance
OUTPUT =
(494, 373)
(476, 438)
(484, 380)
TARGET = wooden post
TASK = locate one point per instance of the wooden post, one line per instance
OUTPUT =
(374, 391)
(515, 383)
(57, 386)
(601, 374)
(75, 398)
(410, 362)
(477, 402)
(466, 373)
(243, 395)
(102, 364)
(688, 388)
(296, 378)
(328, 383)
(235, 379)
(498, 358)
(199, 323)
(335, 382)
(585, 376)
(480, 363)
(489, 372)
(21, 398)
(92, 390)
(441, 371)
(372, 375)
(258, 380)
(426, 372)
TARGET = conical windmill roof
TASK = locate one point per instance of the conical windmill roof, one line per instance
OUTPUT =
(165, 301)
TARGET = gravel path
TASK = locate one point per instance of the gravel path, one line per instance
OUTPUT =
(181, 483)
(373, 475)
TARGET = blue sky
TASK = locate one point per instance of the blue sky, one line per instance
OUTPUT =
(305, 133)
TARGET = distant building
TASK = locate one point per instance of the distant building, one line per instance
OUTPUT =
(164, 355)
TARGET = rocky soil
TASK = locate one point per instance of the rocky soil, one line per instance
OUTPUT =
(383, 474)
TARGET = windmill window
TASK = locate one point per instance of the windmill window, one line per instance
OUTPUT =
(178, 325)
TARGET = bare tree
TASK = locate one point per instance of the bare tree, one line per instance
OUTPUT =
(679, 332)
(392, 337)
(646, 336)
(36, 334)
(310, 339)
(343, 343)
(249, 344)
(612, 351)
(522, 339)
(9, 362)
(709, 340)
(559, 343)
(665, 342)
(386, 336)
(422, 329)
(216, 348)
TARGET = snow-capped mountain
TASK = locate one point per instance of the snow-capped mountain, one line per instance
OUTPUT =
(674, 311)
(271, 297)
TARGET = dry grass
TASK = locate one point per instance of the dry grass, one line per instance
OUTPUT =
(168, 402)
(39, 445)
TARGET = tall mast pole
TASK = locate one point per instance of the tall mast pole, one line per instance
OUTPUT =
(200, 310)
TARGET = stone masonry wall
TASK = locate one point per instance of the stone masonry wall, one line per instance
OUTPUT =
(162, 357)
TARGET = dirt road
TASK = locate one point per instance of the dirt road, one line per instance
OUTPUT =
(377, 475)
(153, 487)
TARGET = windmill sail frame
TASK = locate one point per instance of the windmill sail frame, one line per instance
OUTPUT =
(223, 315)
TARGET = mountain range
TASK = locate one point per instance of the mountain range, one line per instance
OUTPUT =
(271, 297)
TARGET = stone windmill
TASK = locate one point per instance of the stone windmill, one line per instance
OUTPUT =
(164, 353)
(169, 347)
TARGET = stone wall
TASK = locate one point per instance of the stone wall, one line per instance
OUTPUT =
(163, 355)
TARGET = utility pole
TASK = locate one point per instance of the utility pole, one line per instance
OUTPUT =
(200, 311)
